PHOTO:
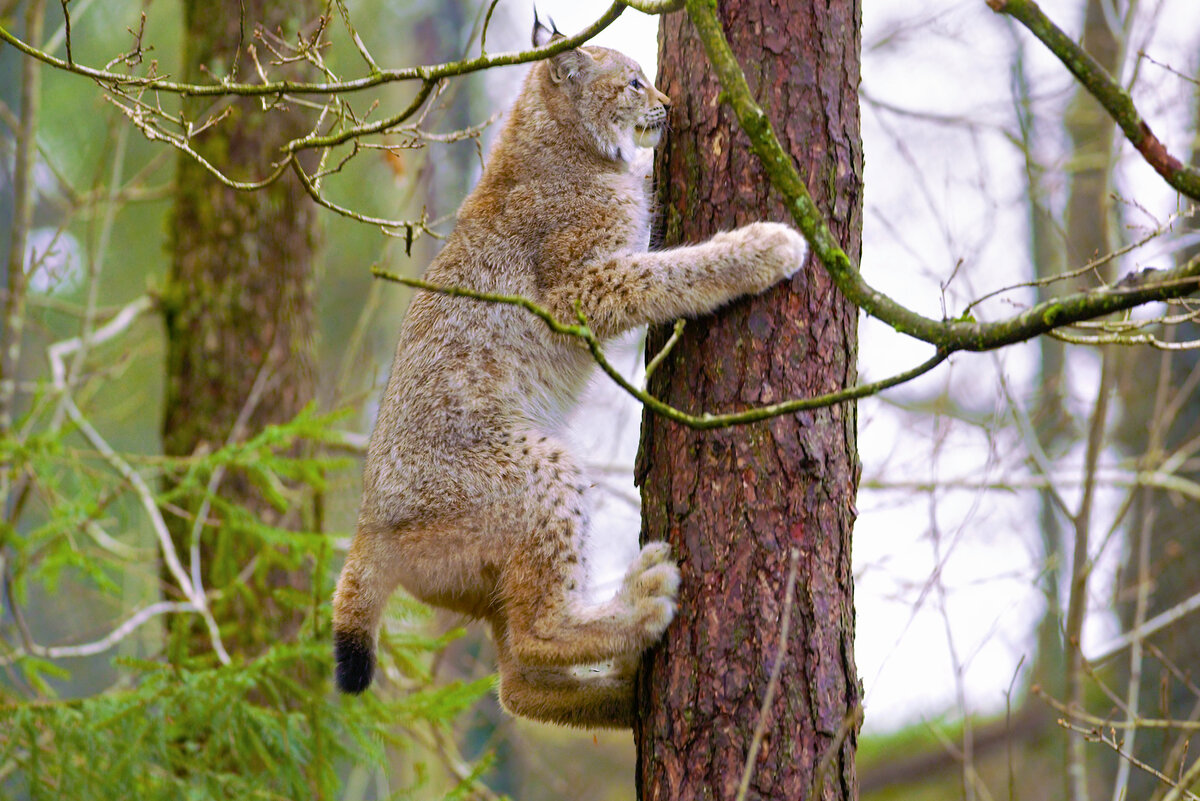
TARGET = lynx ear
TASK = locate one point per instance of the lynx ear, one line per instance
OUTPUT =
(541, 34)
(565, 65)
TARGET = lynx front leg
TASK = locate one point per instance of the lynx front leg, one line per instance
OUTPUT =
(541, 593)
(626, 290)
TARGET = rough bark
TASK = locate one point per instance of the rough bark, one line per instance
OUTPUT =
(734, 503)
(239, 302)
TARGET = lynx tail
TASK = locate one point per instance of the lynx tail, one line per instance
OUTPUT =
(357, 607)
(355, 656)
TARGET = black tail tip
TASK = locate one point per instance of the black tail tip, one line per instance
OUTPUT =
(354, 654)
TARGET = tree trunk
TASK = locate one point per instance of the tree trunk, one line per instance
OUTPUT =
(239, 305)
(734, 503)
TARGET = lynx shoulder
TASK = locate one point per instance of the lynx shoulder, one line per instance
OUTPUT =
(472, 501)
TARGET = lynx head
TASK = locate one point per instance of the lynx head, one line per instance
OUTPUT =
(612, 97)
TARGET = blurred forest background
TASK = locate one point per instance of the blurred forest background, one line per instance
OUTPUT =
(165, 597)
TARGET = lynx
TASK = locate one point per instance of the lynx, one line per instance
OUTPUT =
(472, 501)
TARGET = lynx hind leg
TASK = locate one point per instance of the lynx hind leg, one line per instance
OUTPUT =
(542, 593)
(559, 695)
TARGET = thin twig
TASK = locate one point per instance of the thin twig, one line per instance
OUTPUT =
(1093, 266)
(764, 713)
(1081, 568)
(277, 88)
(663, 352)
(236, 432)
(850, 723)
(704, 421)
(1108, 723)
(487, 21)
(1097, 735)
(358, 42)
(67, 28)
(1179, 788)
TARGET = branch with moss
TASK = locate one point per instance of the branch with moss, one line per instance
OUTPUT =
(702, 421)
(948, 335)
(655, 6)
(1108, 93)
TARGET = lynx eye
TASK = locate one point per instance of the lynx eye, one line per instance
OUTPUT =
(635, 83)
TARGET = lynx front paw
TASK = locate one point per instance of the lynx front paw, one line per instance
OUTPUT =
(650, 588)
(773, 251)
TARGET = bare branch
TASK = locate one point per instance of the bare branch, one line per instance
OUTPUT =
(1115, 100)
(949, 335)
(110, 640)
(655, 6)
(663, 352)
(146, 497)
(703, 421)
(278, 88)
(358, 42)
(1081, 568)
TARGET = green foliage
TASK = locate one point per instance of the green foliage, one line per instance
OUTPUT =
(195, 731)
(110, 685)
(267, 725)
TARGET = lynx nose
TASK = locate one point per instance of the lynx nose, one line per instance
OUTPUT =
(661, 98)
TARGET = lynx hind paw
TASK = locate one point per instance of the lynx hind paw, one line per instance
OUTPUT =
(654, 553)
(655, 612)
(651, 588)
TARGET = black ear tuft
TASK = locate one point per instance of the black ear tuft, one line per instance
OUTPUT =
(543, 35)
(355, 658)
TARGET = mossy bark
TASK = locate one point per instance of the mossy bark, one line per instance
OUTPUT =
(239, 302)
(734, 503)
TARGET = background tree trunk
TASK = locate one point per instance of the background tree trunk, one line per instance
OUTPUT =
(239, 305)
(734, 503)
(1162, 541)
